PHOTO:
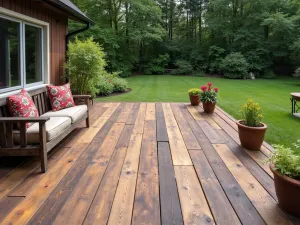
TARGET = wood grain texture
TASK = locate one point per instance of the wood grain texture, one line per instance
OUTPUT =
(180, 155)
(261, 199)
(76, 208)
(7, 204)
(124, 115)
(195, 209)
(146, 204)
(102, 203)
(187, 134)
(169, 199)
(150, 111)
(161, 133)
(219, 204)
(132, 117)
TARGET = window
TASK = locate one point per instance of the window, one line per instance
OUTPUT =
(21, 54)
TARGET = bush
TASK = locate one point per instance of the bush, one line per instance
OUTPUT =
(105, 86)
(85, 65)
(194, 91)
(235, 66)
(269, 74)
(215, 57)
(297, 73)
(120, 85)
(158, 65)
(183, 68)
(198, 74)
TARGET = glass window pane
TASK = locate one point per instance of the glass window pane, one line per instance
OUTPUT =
(33, 54)
(10, 69)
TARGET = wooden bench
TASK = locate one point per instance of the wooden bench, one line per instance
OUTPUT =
(8, 147)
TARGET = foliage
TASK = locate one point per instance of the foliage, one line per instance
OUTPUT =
(158, 65)
(183, 68)
(199, 74)
(194, 91)
(215, 56)
(85, 65)
(286, 161)
(235, 66)
(251, 114)
(105, 86)
(209, 94)
(269, 74)
(120, 85)
(297, 73)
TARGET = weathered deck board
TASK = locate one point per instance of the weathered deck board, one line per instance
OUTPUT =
(145, 163)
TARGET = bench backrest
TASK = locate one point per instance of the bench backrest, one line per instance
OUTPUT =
(39, 97)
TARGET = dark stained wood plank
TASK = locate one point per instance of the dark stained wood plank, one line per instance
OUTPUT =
(219, 204)
(102, 203)
(187, 134)
(75, 209)
(34, 178)
(210, 133)
(7, 204)
(169, 200)
(195, 209)
(126, 112)
(246, 212)
(161, 133)
(53, 204)
(261, 199)
(264, 178)
(146, 205)
(132, 117)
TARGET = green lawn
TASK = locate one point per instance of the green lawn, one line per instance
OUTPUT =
(272, 95)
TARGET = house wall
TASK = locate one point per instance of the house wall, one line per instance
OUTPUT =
(58, 22)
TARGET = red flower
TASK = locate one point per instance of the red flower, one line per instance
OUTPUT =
(203, 88)
(209, 84)
(216, 89)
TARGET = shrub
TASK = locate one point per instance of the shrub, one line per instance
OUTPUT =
(269, 74)
(208, 94)
(297, 73)
(199, 74)
(194, 91)
(215, 57)
(157, 66)
(235, 66)
(251, 114)
(105, 86)
(286, 161)
(120, 85)
(85, 65)
(183, 68)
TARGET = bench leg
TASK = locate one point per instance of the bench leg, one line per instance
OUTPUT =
(87, 121)
(43, 149)
(44, 160)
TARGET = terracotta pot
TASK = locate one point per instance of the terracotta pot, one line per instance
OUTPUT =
(195, 100)
(251, 138)
(209, 107)
(288, 192)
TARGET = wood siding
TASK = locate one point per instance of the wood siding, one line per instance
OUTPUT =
(58, 22)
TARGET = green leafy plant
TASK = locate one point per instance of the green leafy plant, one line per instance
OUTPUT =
(297, 73)
(215, 57)
(194, 91)
(199, 74)
(85, 65)
(209, 94)
(120, 85)
(105, 86)
(269, 74)
(183, 68)
(235, 66)
(158, 65)
(286, 161)
(251, 114)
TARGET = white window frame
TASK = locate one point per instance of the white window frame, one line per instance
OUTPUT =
(23, 20)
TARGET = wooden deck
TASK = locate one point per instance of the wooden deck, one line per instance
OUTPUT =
(144, 163)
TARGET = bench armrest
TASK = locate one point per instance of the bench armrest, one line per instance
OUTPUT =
(24, 120)
(82, 99)
(82, 96)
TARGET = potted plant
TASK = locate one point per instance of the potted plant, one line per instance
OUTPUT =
(251, 129)
(285, 164)
(194, 94)
(208, 97)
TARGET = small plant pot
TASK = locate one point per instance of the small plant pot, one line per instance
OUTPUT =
(251, 138)
(288, 192)
(194, 99)
(209, 107)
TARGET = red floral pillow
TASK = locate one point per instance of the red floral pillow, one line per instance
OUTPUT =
(60, 97)
(21, 105)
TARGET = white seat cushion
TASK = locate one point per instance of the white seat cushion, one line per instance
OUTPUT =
(75, 113)
(54, 127)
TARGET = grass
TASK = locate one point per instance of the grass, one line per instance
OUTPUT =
(272, 95)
